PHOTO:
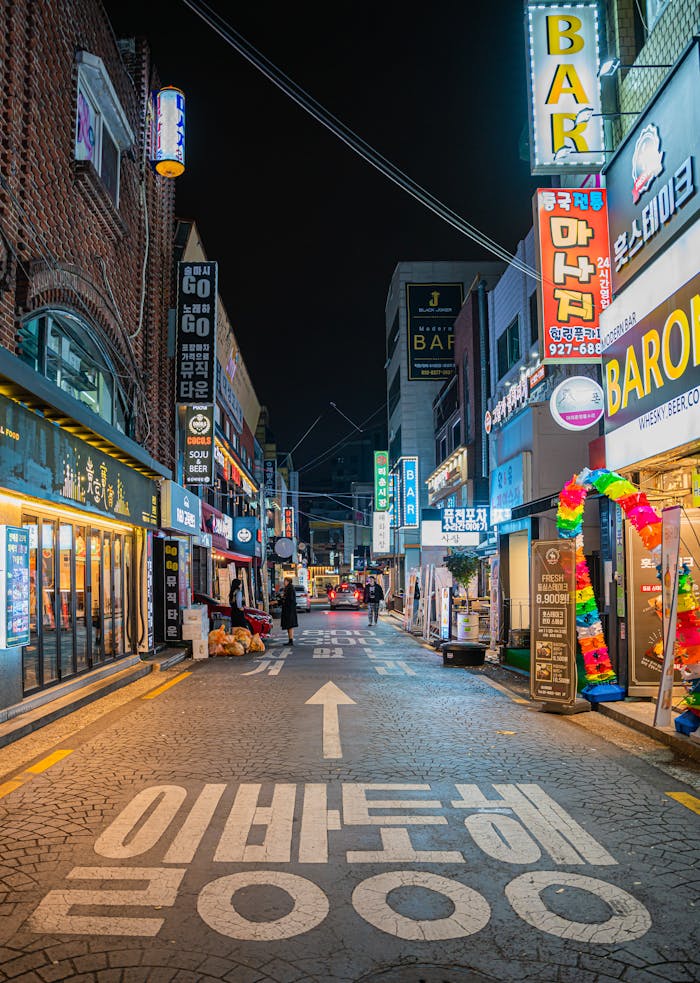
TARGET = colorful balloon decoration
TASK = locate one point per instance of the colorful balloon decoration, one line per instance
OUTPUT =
(601, 681)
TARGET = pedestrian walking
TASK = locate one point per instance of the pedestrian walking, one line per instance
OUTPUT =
(289, 609)
(235, 600)
(373, 596)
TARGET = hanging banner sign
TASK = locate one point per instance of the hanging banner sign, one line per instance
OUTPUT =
(195, 376)
(381, 481)
(171, 578)
(198, 464)
(270, 478)
(574, 260)
(553, 621)
(566, 125)
(431, 310)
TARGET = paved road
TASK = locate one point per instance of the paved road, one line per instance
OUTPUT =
(343, 810)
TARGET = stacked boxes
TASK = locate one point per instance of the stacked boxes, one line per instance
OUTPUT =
(195, 629)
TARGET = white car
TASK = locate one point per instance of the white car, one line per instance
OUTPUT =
(303, 599)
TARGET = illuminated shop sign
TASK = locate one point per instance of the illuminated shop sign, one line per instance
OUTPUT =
(247, 536)
(180, 509)
(652, 181)
(39, 459)
(431, 310)
(572, 231)
(577, 403)
(519, 394)
(14, 586)
(196, 333)
(465, 519)
(381, 533)
(566, 126)
(288, 522)
(198, 463)
(393, 500)
(381, 481)
(270, 478)
(169, 143)
(408, 473)
(450, 475)
(651, 358)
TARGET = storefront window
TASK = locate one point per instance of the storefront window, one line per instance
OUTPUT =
(60, 346)
(82, 590)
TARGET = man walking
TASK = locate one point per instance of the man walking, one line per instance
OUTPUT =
(373, 595)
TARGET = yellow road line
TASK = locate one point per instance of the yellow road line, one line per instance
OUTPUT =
(686, 799)
(506, 692)
(26, 776)
(161, 689)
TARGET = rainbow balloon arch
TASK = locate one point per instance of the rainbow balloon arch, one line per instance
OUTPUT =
(601, 682)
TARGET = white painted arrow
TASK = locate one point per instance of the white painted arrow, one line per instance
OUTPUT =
(330, 698)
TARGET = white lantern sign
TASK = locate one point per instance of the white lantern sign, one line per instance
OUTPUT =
(169, 136)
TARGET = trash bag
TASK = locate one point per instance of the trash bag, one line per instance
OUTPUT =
(256, 644)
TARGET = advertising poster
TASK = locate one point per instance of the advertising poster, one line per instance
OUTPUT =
(445, 613)
(670, 552)
(574, 260)
(15, 587)
(198, 463)
(566, 127)
(431, 309)
(408, 601)
(195, 369)
(645, 612)
(553, 621)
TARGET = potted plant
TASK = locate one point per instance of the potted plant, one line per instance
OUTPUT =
(462, 564)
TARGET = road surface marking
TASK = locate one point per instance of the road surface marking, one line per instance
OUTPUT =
(161, 689)
(330, 698)
(686, 799)
(14, 783)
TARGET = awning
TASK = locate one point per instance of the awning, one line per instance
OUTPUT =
(229, 555)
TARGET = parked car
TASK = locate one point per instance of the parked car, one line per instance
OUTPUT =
(345, 596)
(303, 599)
(260, 622)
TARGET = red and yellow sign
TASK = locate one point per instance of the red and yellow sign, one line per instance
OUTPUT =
(574, 255)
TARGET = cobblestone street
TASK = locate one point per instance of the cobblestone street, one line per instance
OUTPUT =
(345, 809)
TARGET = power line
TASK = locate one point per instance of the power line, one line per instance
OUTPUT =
(307, 102)
(324, 455)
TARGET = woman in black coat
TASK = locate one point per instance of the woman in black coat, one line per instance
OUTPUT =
(289, 609)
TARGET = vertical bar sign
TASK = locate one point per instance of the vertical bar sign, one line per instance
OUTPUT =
(14, 585)
(553, 621)
(670, 549)
(409, 492)
(196, 333)
(381, 481)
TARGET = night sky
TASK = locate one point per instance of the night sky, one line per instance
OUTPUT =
(306, 233)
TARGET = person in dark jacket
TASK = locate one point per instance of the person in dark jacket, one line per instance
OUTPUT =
(373, 595)
(289, 609)
(235, 600)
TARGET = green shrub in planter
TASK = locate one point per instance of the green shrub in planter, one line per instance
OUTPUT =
(462, 564)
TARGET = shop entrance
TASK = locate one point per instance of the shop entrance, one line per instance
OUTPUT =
(82, 599)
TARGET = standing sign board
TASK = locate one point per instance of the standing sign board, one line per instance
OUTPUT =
(196, 333)
(198, 464)
(431, 310)
(553, 621)
(574, 260)
(566, 125)
(14, 586)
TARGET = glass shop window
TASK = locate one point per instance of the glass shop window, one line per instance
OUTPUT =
(94, 140)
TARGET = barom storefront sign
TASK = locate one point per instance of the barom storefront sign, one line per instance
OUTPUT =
(566, 126)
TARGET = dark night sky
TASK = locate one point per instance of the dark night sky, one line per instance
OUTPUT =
(306, 233)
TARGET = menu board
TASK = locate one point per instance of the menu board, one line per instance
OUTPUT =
(14, 584)
(553, 621)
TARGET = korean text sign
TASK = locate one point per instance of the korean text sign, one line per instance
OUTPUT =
(196, 333)
(509, 484)
(566, 128)
(553, 621)
(574, 261)
(464, 519)
(381, 481)
(431, 309)
(652, 180)
(198, 465)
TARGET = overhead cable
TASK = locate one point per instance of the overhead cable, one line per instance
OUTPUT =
(350, 138)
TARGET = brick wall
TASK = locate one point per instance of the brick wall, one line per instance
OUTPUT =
(73, 247)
